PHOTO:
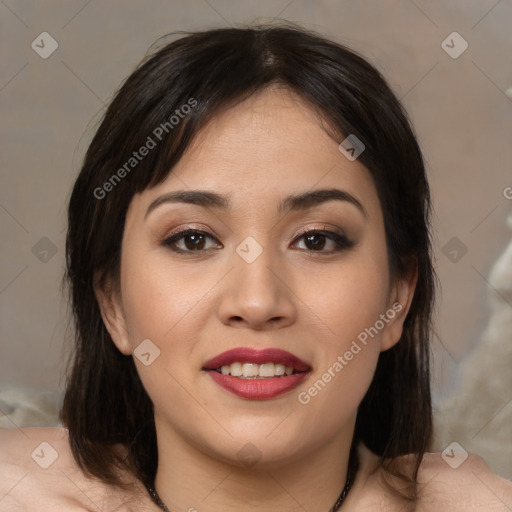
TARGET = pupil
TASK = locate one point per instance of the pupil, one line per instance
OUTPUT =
(317, 245)
(197, 241)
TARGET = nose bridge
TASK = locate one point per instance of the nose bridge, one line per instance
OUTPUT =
(255, 293)
(254, 278)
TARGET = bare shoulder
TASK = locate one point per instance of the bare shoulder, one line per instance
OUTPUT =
(14, 442)
(456, 484)
(38, 472)
(460, 487)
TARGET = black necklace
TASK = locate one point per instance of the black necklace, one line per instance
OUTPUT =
(351, 473)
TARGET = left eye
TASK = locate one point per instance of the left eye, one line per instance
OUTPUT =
(192, 240)
(316, 240)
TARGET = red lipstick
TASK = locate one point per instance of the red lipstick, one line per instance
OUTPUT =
(257, 388)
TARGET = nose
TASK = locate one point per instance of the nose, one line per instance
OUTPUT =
(257, 295)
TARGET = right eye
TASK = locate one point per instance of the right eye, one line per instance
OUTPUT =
(192, 240)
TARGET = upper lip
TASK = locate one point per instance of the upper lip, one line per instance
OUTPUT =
(256, 356)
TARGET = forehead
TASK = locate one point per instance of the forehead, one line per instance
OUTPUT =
(274, 127)
(261, 149)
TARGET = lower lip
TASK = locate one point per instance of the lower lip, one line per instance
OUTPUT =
(258, 389)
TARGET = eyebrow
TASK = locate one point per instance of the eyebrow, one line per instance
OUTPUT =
(294, 202)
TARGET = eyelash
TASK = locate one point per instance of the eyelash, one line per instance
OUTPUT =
(341, 241)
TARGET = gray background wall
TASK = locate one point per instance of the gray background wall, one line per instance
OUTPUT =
(49, 108)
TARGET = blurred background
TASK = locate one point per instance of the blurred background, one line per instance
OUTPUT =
(449, 63)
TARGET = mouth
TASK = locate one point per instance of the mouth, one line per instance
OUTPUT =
(257, 374)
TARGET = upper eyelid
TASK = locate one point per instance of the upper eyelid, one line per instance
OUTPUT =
(186, 230)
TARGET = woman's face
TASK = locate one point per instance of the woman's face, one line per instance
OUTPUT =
(249, 278)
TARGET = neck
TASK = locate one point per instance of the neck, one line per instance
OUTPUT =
(192, 480)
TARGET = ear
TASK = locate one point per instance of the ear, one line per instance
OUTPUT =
(399, 303)
(109, 301)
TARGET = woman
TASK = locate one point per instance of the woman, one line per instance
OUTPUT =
(249, 260)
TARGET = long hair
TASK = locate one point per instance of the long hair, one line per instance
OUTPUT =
(105, 402)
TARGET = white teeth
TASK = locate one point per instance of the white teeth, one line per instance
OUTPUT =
(250, 369)
(266, 370)
(236, 369)
(253, 370)
(279, 369)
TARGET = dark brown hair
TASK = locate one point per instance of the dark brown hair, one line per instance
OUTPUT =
(105, 402)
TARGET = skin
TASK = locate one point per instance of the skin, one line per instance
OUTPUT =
(193, 307)
(27, 487)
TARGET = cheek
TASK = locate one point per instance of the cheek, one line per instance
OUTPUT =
(350, 349)
(348, 298)
(161, 305)
(349, 303)
(157, 299)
